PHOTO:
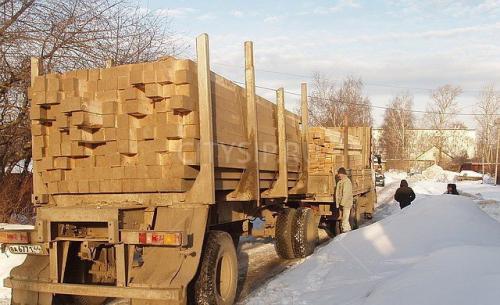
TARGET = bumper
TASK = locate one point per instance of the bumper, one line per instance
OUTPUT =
(143, 293)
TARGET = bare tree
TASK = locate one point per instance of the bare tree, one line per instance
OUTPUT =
(398, 119)
(488, 106)
(66, 35)
(321, 107)
(330, 105)
(441, 113)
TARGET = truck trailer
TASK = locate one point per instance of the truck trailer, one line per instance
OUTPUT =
(146, 175)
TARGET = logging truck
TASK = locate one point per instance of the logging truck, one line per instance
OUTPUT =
(146, 175)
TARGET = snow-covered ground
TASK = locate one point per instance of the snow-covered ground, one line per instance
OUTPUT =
(443, 249)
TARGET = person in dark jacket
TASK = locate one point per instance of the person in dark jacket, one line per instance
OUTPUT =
(404, 195)
(452, 189)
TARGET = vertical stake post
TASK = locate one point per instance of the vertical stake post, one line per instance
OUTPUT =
(497, 122)
(203, 190)
(301, 185)
(346, 142)
(304, 109)
(252, 130)
(280, 186)
(248, 187)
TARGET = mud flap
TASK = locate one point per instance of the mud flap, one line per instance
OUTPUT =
(173, 267)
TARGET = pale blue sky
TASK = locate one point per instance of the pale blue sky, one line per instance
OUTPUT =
(392, 45)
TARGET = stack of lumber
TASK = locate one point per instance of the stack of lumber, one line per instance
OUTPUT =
(135, 128)
(326, 150)
(361, 180)
(326, 156)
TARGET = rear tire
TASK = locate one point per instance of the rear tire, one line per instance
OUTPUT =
(283, 233)
(236, 239)
(354, 217)
(335, 227)
(305, 233)
(217, 278)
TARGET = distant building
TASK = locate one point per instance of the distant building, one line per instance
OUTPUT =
(432, 155)
(421, 150)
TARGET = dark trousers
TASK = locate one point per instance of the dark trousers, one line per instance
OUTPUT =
(404, 204)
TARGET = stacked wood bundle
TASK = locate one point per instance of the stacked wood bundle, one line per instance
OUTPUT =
(326, 156)
(135, 128)
(326, 150)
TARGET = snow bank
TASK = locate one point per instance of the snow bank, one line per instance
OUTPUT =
(438, 174)
(485, 195)
(488, 179)
(393, 175)
(439, 279)
(469, 173)
(440, 250)
(480, 191)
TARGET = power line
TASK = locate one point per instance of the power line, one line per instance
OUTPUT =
(369, 84)
(374, 106)
(268, 71)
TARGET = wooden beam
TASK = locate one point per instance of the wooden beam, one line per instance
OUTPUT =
(249, 186)
(280, 186)
(301, 186)
(54, 261)
(36, 68)
(346, 142)
(304, 110)
(203, 190)
(121, 266)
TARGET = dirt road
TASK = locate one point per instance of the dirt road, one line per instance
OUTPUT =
(258, 263)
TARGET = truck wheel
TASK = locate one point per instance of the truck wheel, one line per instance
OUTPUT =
(217, 277)
(236, 239)
(283, 233)
(305, 232)
(337, 227)
(354, 217)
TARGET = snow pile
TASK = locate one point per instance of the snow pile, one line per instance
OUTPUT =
(469, 173)
(440, 250)
(479, 191)
(488, 179)
(438, 174)
(394, 175)
(485, 195)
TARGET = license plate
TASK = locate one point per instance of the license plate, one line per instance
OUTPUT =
(25, 249)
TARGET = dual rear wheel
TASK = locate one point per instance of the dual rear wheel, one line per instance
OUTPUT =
(296, 234)
(217, 278)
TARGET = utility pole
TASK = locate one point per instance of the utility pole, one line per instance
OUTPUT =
(497, 122)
